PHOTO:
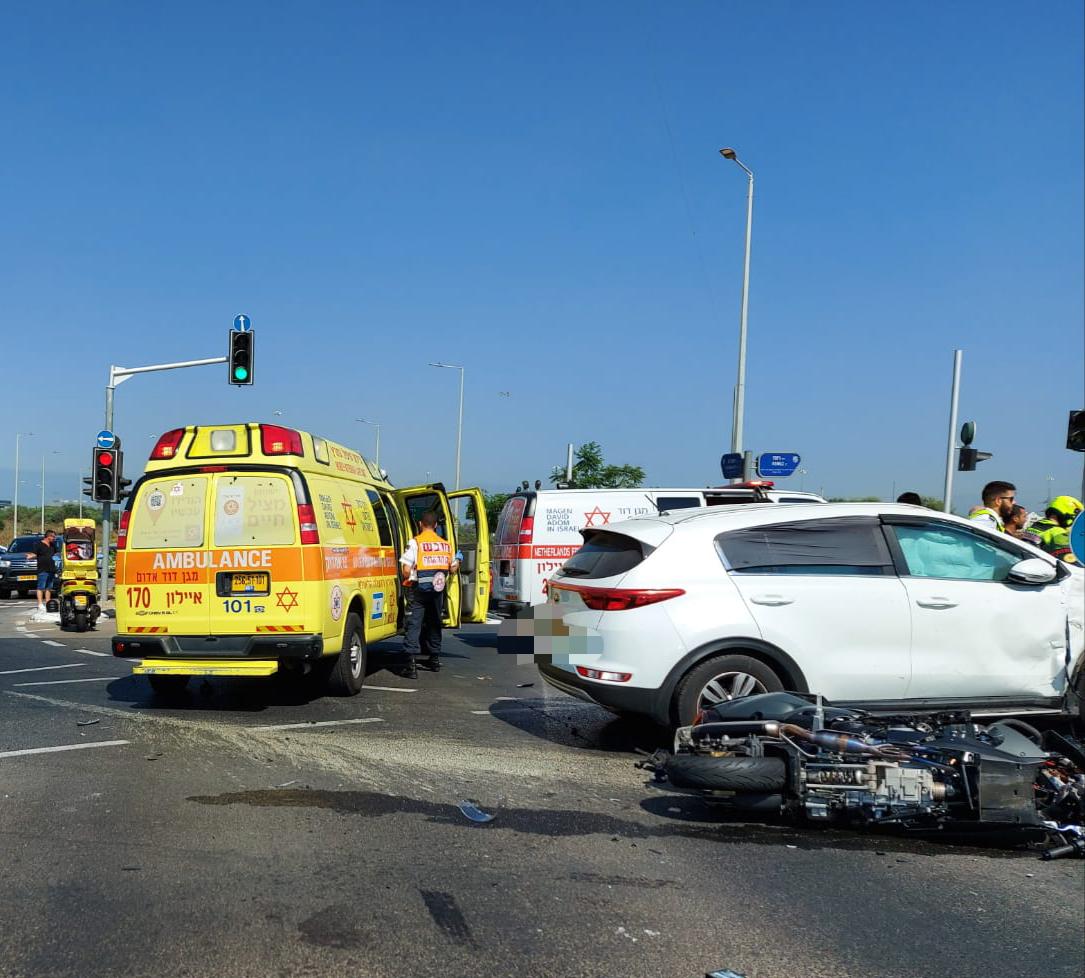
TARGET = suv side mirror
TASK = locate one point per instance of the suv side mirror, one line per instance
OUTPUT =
(1032, 570)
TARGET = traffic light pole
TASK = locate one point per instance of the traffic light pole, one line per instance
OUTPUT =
(117, 376)
(947, 503)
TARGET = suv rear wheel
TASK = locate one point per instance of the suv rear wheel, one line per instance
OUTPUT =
(722, 678)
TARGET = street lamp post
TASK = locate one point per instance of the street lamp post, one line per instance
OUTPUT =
(43, 490)
(378, 427)
(15, 515)
(459, 427)
(740, 387)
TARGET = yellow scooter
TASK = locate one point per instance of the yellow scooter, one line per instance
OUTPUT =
(79, 606)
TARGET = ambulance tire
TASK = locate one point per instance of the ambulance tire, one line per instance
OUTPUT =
(348, 672)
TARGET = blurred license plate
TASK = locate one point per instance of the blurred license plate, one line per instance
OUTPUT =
(27, 577)
(80, 600)
(250, 583)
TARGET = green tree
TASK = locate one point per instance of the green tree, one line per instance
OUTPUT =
(855, 499)
(495, 502)
(590, 471)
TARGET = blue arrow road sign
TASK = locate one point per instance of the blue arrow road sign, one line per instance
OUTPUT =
(777, 464)
(1077, 538)
(105, 439)
(242, 323)
(731, 463)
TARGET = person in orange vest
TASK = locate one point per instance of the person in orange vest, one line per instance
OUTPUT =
(426, 566)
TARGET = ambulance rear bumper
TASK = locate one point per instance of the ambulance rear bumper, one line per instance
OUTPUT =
(305, 648)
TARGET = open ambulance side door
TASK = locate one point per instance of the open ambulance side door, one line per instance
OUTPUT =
(473, 540)
(412, 503)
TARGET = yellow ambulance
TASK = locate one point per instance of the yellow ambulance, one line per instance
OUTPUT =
(246, 549)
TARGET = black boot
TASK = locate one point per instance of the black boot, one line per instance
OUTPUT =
(410, 670)
(434, 663)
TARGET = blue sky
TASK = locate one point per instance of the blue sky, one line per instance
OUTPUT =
(534, 191)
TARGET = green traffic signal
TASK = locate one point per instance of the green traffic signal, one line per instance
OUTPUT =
(240, 373)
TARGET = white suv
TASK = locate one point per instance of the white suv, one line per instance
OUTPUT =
(883, 606)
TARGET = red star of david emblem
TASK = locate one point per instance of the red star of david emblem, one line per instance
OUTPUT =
(348, 510)
(604, 518)
(286, 599)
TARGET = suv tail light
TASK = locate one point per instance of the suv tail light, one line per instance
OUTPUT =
(620, 599)
(275, 440)
(166, 446)
(604, 675)
(122, 530)
(307, 523)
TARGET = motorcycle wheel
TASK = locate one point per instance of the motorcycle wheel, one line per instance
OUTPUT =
(80, 621)
(742, 774)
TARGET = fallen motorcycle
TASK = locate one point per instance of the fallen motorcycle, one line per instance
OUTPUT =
(797, 756)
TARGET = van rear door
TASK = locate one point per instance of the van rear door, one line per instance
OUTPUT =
(473, 540)
(412, 503)
(163, 583)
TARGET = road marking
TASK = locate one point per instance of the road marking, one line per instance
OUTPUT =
(92, 652)
(70, 665)
(55, 750)
(319, 723)
(390, 689)
(58, 645)
(60, 682)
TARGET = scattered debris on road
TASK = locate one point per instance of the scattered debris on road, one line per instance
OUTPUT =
(474, 813)
(87, 723)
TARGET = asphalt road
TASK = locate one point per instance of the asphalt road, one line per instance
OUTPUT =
(228, 835)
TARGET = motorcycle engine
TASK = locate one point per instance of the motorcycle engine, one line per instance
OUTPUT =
(875, 789)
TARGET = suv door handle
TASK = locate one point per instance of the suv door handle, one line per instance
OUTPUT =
(772, 600)
(936, 603)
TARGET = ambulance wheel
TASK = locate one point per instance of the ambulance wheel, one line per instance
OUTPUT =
(168, 687)
(348, 673)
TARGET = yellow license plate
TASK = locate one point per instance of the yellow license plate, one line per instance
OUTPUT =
(250, 583)
(80, 600)
(27, 577)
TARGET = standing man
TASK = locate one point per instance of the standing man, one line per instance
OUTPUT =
(43, 550)
(998, 500)
(1052, 533)
(425, 566)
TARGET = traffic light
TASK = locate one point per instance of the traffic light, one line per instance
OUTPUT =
(89, 482)
(241, 357)
(969, 458)
(1075, 432)
(106, 465)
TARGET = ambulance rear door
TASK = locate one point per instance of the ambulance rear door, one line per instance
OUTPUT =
(473, 542)
(164, 586)
(412, 503)
(255, 574)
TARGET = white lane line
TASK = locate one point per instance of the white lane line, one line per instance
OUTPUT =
(61, 682)
(390, 689)
(58, 645)
(70, 665)
(319, 723)
(55, 750)
(92, 652)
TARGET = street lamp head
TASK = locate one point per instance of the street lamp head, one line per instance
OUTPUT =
(728, 154)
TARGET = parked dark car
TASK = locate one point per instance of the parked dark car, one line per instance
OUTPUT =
(19, 565)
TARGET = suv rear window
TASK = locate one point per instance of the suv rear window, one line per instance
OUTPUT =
(605, 554)
(849, 545)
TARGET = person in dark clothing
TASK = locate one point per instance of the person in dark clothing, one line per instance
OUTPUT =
(426, 566)
(43, 550)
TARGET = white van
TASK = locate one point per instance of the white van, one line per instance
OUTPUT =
(539, 530)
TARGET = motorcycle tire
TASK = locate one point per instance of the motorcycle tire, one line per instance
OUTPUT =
(742, 774)
(80, 621)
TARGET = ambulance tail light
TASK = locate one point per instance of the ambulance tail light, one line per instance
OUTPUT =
(527, 529)
(166, 446)
(280, 441)
(307, 522)
(122, 530)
